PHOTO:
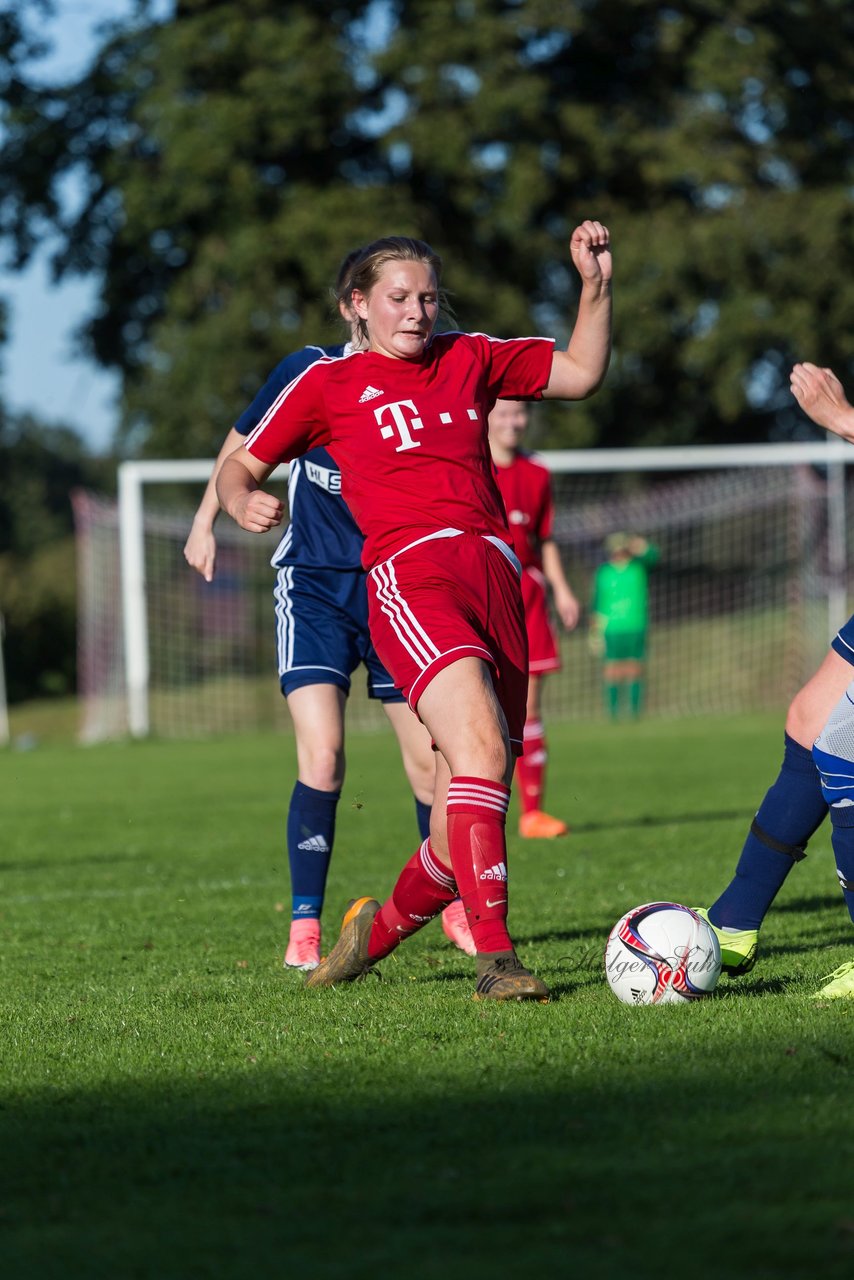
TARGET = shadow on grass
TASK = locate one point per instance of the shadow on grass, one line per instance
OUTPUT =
(739, 988)
(570, 935)
(822, 939)
(268, 1173)
(661, 820)
(796, 906)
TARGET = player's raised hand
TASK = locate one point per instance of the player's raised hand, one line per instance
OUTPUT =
(257, 512)
(590, 249)
(819, 393)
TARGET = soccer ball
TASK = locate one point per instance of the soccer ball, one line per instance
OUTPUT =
(662, 953)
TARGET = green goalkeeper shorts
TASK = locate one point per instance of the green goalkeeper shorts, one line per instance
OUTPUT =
(622, 646)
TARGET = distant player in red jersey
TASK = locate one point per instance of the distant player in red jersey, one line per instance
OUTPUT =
(526, 488)
(406, 421)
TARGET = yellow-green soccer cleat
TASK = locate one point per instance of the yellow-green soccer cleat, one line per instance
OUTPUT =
(838, 984)
(738, 946)
(348, 961)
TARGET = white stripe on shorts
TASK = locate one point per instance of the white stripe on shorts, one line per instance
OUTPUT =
(406, 626)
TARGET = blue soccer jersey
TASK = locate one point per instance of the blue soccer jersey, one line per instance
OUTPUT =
(321, 534)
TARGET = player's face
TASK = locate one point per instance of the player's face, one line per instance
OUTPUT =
(401, 309)
(507, 423)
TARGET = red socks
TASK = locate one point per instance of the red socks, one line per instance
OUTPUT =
(424, 887)
(477, 814)
(531, 767)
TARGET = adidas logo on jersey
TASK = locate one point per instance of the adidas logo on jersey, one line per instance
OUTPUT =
(498, 871)
(314, 844)
(369, 393)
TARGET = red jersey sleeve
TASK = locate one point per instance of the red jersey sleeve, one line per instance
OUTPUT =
(295, 421)
(517, 368)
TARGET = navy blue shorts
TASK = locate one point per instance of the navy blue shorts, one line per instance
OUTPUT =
(322, 632)
(843, 641)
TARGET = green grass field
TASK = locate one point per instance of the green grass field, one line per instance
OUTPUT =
(175, 1105)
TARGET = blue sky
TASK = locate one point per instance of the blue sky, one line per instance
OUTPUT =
(38, 370)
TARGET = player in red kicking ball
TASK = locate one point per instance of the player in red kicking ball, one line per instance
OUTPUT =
(406, 421)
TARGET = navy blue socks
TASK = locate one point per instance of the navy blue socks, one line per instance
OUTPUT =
(311, 834)
(791, 812)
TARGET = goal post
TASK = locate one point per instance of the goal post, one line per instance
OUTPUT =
(753, 582)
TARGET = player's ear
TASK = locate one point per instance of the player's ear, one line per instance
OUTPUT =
(359, 303)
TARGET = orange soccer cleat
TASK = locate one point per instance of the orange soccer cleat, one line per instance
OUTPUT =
(536, 825)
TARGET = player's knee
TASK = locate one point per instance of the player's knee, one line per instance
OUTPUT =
(322, 768)
(483, 757)
(422, 778)
(801, 722)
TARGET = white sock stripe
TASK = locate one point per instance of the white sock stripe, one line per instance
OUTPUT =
(533, 729)
(478, 795)
(406, 627)
(433, 869)
(483, 788)
(479, 806)
(468, 797)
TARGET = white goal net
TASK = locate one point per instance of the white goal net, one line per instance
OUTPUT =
(751, 583)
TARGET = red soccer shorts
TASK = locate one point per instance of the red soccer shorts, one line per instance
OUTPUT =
(543, 653)
(448, 598)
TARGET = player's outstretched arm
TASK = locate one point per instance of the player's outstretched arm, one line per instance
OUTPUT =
(200, 547)
(239, 494)
(580, 370)
(819, 393)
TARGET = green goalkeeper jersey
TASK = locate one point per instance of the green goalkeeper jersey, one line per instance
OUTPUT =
(620, 592)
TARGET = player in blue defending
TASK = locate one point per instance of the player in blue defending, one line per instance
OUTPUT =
(321, 637)
(812, 777)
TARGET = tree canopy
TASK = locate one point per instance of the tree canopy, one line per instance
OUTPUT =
(212, 169)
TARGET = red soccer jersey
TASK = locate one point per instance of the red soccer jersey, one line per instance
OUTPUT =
(527, 492)
(409, 436)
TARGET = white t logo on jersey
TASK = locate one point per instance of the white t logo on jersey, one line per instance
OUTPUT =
(403, 425)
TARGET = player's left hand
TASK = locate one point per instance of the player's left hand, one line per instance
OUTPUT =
(568, 609)
(200, 551)
(590, 248)
(257, 511)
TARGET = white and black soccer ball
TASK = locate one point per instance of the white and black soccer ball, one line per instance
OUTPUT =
(662, 953)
